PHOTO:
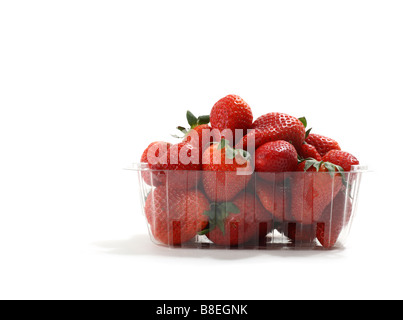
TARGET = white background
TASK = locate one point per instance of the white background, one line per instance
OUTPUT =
(85, 86)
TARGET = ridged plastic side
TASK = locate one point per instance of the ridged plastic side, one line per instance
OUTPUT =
(289, 210)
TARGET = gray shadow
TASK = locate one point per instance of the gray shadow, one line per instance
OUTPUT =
(141, 245)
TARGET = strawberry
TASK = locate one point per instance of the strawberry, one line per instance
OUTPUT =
(231, 112)
(151, 155)
(198, 127)
(314, 189)
(275, 126)
(275, 156)
(253, 140)
(234, 223)
(226, 171)
(275, 198)
(175, 216)
(180, 168)
(334, 218)
(195, 136)
(341, 158)
(321, 143)
(309, 151)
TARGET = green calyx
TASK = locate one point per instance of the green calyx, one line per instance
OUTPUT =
(305, 123)
(330, 167)
(217, 215)
(193, 123)
(230, 152)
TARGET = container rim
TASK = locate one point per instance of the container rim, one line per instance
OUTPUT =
(143, 166)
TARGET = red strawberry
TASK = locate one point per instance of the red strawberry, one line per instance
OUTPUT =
(253, 140)
(309, 151)
(236, 222)
(275, 156)
(334, 218)
(321, 143)
(275, 198)
(175, 216)
(151, 156)
(195, 136)
(226, 171)
(199, 130)
(341, 158)
(231, 112)
(180, 170)
(275, 126)
(313, 189)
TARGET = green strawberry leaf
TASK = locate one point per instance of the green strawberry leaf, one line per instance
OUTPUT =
(305, 123)
(203, 120)
(209, 213)
(204, 231)
(333, 168)
(231, 207)
(317, 165)
(330, 168)
(303, 120)
(192, 120)
(309, 162)
(182, 129)
(307, 132)
(343, 175)
(221, 225)
(339, 168)
(218, 214)
(176, 136)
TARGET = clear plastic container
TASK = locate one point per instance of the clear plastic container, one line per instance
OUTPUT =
(207, 209)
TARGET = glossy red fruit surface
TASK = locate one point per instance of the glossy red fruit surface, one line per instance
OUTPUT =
(334, 218)
(275, 156)
(225, 172)
(181, 166)
(341, 158)
(275, 126)
(199, 133)
(309, 151)
(175, 216)
(151, 155)
(313, 189)
(231, 112)
(276, 198)
(322, 144)
(195, 136)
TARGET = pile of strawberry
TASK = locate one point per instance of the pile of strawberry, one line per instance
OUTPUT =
(235, 180)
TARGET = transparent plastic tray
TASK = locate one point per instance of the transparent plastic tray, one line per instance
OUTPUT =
(195, 209)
